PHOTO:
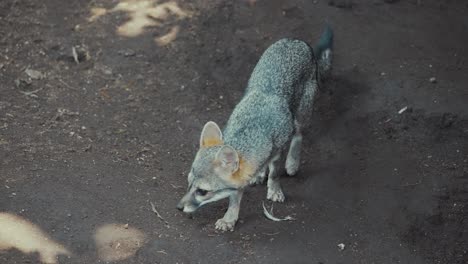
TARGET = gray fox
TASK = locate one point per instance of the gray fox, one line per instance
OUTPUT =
(277, 102)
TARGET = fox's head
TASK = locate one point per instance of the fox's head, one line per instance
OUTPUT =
(215, 173)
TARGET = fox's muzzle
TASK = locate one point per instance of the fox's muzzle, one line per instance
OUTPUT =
(187, 204)
(180, 206)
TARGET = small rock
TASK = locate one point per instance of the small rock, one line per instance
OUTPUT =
(341, 246)
(126, 226)
(127, 53)
(433, 80)
(33, 74)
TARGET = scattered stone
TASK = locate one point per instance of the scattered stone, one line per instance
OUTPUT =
(341, 246)
(433, 80)
(33, 74)
(127, 53)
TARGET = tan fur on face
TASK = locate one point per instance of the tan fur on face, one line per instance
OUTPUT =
(243, 174)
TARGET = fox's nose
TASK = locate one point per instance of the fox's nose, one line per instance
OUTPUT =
(180, 206)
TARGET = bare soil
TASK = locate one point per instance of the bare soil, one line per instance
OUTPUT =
(87, 144)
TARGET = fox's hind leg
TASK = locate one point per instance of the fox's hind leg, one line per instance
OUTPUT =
(274, 192)
(302, 114)
(293, 159)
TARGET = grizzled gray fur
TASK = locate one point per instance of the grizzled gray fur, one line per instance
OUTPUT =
(277, 102)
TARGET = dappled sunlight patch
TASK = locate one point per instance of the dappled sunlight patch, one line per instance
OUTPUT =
(143, 14)
(18, 233)
(97, 12)
(117, 242)
(169, 37)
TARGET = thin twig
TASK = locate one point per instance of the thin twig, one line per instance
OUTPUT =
(270, 216)
(271, 234)
(153, 208)
(138, 179)
(66, 84)
(412, 184)
(32, 93)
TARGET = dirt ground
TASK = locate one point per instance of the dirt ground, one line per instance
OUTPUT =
(102, 103)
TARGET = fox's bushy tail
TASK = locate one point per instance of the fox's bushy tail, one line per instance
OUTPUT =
(323, 52)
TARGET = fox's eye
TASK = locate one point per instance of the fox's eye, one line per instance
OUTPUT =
(201, 192)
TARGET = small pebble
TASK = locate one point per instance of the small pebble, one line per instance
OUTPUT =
(433, 80)
(341, 246)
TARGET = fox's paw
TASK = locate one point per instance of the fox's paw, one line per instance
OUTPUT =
(292, 167)
(224, 225)
(275, 195)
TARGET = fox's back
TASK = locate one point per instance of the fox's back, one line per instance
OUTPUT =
(264, 118)
(281, 68)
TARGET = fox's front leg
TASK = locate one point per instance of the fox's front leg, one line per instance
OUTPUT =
(229, 219)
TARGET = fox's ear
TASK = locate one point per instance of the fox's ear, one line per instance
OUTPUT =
(211, 135)
(228, 158)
